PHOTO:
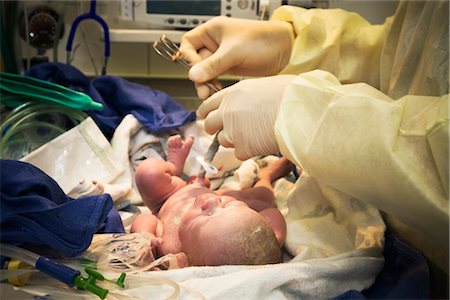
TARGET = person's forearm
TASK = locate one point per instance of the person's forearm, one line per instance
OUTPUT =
(391, 154)
(335, 40)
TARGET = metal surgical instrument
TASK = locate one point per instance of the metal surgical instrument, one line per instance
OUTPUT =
(168, 50)
(209, 156)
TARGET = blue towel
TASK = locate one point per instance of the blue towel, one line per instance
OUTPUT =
(155, 110)
(35, 213)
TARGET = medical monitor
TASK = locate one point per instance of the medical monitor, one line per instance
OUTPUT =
(191, 13)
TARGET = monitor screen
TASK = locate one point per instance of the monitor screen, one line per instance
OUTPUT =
(184, 7)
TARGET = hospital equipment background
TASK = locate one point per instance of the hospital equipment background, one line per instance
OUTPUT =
(132, 56)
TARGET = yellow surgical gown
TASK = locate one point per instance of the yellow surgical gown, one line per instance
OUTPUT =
(369, 113)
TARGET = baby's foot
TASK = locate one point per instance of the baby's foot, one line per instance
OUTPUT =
(280, 168)
(178, 151)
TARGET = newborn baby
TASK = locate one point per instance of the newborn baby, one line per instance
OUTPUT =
(211, 227)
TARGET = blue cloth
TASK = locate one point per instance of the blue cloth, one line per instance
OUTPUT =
(113, 223)
(155, 110)
(405, 275)
(34, 211)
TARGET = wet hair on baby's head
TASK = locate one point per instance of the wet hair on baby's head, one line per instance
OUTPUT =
(252, 243)
(257, 245)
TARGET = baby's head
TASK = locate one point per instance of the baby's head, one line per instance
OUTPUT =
(220, 230)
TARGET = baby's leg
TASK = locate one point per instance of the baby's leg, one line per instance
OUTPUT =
(261, 196)
(280, 168)
(157, 180)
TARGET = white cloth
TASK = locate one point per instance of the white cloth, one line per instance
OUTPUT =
(312, 279)
(80, 155)
(122, 187)
(244, 177)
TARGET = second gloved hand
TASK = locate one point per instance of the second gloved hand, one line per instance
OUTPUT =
(246, 114)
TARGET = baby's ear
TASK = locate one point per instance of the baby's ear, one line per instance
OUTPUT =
(276, 220)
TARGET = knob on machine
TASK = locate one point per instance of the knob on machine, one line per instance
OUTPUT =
(41, 26)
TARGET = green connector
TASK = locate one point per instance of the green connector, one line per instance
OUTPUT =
(88, 283)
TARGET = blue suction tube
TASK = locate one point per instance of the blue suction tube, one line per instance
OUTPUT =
(58, 271)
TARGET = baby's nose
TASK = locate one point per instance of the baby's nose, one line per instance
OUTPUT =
(210, 203)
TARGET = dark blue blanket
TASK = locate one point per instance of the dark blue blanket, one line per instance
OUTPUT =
(35, 213)
(154, 109)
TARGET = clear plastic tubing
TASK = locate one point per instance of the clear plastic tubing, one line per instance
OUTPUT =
(43, 264)
(19, 253)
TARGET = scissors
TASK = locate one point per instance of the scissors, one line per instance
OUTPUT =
(90, 15)
(168, 50)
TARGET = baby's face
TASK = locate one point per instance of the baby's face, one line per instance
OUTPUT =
(212, 210)
(213, 217)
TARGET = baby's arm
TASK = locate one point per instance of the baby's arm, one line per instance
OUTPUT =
(157, 179)
(147, 222)
(257, 198)
(156, 182)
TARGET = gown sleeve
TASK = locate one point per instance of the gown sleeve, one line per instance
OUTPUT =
(391, 154)
(340, 42)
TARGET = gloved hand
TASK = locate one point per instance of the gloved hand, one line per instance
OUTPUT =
(246, 114)
(236, 46)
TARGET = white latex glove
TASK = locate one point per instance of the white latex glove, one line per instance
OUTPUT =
(246, 114)
(235, 46)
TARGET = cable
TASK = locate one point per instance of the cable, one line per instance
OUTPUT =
(7, 31)
(59, 28)
(88, 49)
(27, 35)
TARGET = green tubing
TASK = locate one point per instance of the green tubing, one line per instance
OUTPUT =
(36, 89)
